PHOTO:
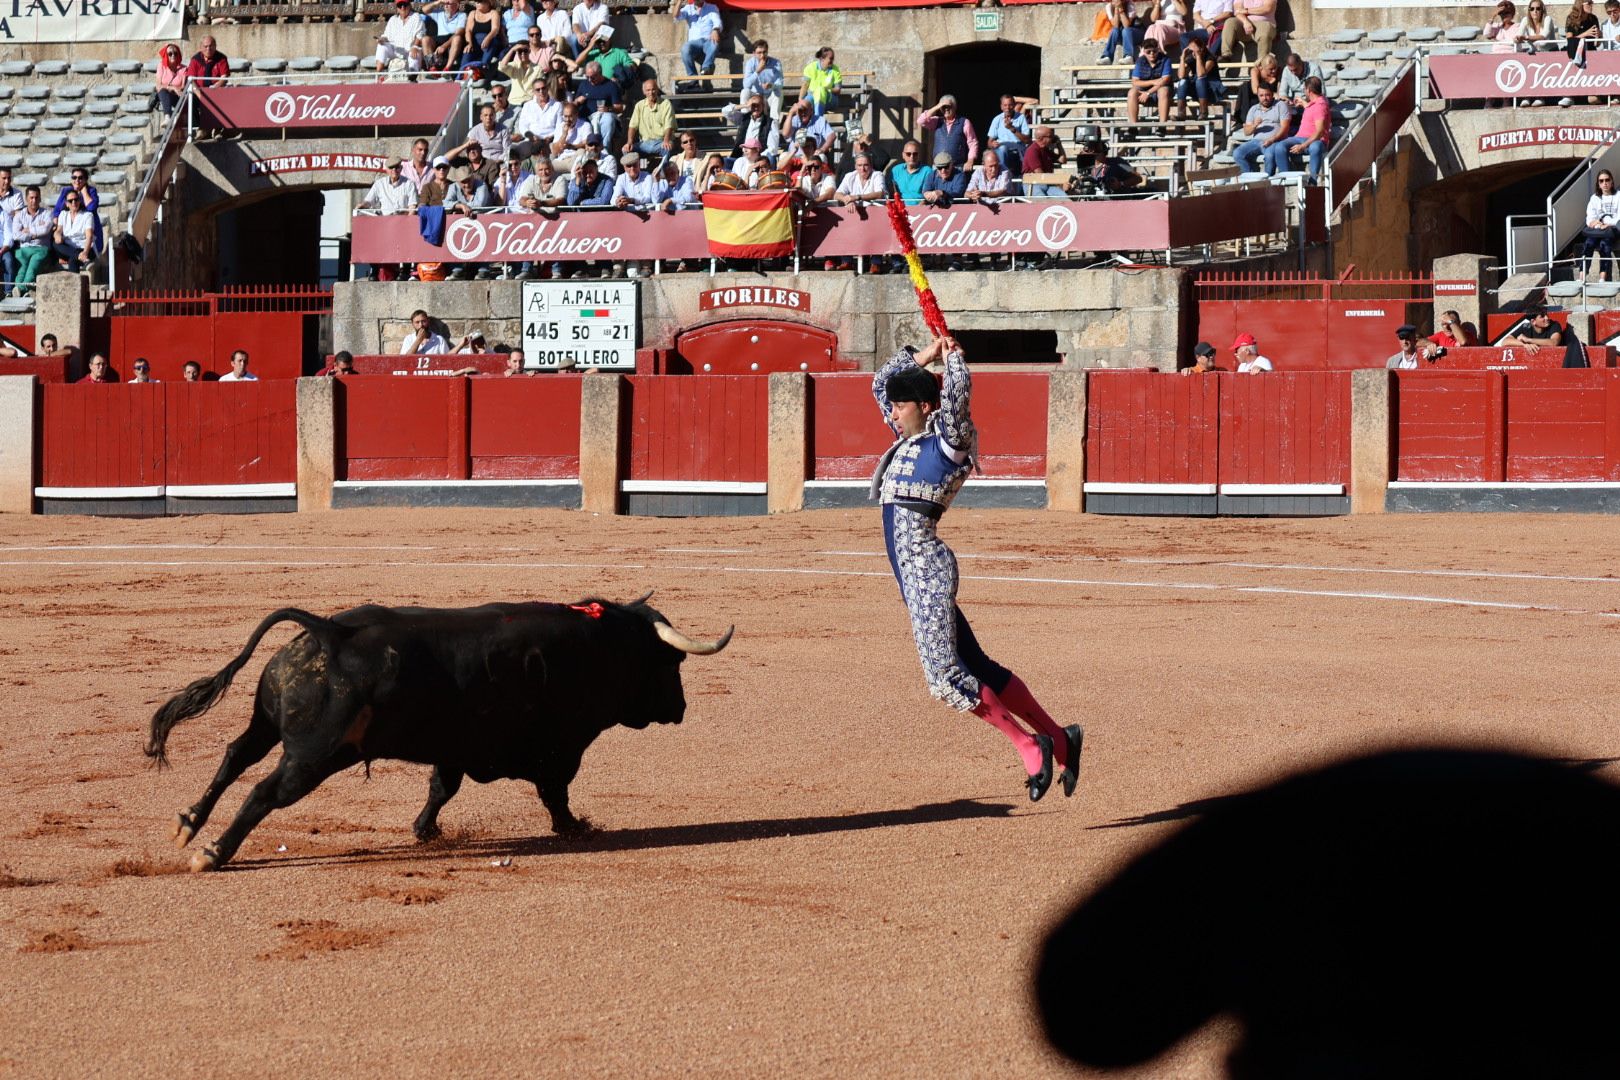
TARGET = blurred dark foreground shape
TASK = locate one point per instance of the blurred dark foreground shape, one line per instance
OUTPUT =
(1427, 913)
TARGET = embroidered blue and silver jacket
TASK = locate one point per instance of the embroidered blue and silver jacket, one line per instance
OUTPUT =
(917, 472)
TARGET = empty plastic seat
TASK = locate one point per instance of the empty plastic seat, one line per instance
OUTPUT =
(270, 65)
(5, 108)
(30, 109)
(125, 67)
(11, 161)
(1349, 109)
(13, 140)
(28, 179)
(16, 124)
(87, 140)
(1364, 91)
(135, 105)
(1423, 33)
(1372, 56)
(1602, 290)
(34, 92)
(150, 67)
(56, 123)
(305, 63)
(1405, 53)
(72, 92)
(6, 92)
(101, 108)
(1564, 290)
(1335, 56)
(79, 160)
(1355, 74)
(124, 138)
(66, 108)
(117, 161)
(1462, 33)
(51, 67)
(42, 161)
(17, 304)
(88, 67)
(50, 140)
(12, 69)
(1345, 37)
(133, 123)
(342, 63)
(107, 90)
(1387, 34)
(110, 179)
(94, 123)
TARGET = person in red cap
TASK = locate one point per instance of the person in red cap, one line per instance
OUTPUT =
(1247, 351)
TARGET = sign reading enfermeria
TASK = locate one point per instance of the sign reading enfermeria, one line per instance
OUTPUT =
(26, 21)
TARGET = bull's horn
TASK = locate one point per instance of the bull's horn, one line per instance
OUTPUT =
(674, 637)
(642, 599)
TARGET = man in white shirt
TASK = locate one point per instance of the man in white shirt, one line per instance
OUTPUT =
(401, 39)
(239, 369)
(556, 29)
(11, 201)
(634, 189)
(574, 133)
(422, 339)
(537, 123)
(815, 183)
(391, 193)
(590, 21)
(544, 189)
(862, 184)
(1247, 351)
(1411, 350)
(1610, 27)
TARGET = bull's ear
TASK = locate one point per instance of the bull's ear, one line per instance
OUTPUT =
(642, 599)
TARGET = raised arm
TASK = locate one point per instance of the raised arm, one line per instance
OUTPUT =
(901, 360)
(955, 419)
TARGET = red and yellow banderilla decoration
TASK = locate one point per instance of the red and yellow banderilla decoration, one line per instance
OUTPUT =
(900, 221)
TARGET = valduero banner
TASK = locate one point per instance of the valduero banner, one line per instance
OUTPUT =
(29, 21)
(304, 105)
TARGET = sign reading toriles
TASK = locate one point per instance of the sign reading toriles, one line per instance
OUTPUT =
(27, 21)
(590, 324)
(1546, 136)
(292, 163)
(754, 296)
(261, 108)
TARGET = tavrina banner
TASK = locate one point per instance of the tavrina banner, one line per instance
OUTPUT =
(26, 21)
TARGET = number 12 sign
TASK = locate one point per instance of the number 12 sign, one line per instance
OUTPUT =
(586, 324)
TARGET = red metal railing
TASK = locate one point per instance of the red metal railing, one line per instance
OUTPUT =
(304, 299)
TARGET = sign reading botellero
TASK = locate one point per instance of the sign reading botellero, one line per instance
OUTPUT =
(1567, 134)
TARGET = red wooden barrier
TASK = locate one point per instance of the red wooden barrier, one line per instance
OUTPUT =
(1149, 428)
(1563, 426)
(525, 428)
(403, 429)
(45, 369)
(169, 328)
(1449, 425)
(1498, 323)
(711, 428)
(1284, 428)
(847, 434)
(151, 435)
(1491, 358)
(1606, 327)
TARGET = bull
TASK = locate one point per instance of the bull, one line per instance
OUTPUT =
(502, 691)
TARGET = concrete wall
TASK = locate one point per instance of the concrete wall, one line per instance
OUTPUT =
(1103, 318)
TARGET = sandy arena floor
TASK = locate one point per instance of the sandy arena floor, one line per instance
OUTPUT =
(820, 873)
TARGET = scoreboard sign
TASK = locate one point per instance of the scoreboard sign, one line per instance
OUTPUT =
(581, 324)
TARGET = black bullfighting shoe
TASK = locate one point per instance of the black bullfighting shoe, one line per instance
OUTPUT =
(1039, 782)
(1075, 735)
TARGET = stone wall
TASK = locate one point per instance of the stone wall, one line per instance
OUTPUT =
(1103, 318)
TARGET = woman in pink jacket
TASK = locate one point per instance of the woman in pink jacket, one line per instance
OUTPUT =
(171, 78)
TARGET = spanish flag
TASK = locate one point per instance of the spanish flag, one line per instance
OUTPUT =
(749, 224)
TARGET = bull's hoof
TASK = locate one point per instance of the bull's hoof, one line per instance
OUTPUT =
(573, 827)
(185, 827)
(204, 860)
(426, 834)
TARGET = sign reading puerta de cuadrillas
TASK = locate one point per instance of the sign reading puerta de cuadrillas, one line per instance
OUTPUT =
(28, 21)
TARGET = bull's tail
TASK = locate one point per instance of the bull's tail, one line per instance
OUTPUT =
(203, 694)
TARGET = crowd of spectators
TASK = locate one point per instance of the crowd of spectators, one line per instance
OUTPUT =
(36, 238)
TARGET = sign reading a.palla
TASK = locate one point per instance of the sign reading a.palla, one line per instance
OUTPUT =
(367, 105)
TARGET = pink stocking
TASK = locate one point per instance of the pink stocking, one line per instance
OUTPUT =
(992, 711)
(1016, 696)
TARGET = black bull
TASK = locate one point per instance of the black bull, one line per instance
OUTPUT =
(502, 691)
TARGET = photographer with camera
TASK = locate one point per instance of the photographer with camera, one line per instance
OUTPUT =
(1097, 173)
(1412, 352)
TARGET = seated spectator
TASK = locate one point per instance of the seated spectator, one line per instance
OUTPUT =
(74, 233)
(652, 123)
(590, 187)
(555, 29)
(100, 370)
(863, 184)
(1125, 32)
(989, 182)
(1042, 155)
(1600, 232)
(1109, 175)
(703, 26)
(417, 169)
(473, 344)
(494, 139)
(544, 189)
(483, 39)
(1009, 133)
(1315, 129)
(208, 66)
(474, 163)
(815, 183)
(391, 193)
(762, 75)
(1609, 29)
(1203, 360)
(1267, 72)
(606, 164)
(518, 20)
(171, 78)
(618, 66)
(1252, 20)
(599, 102)
(822, 81)
(1247, 351)
(422, 339)
(89, 199)
(574, 135)
(45, 347)
(1542, 331)
(191, 371)
(524, 65)
(947, 184)
(239, 369)
(1291, 84)
(342, 364)
(590, 19)
(862, 143)
(469, 195)
(442, 36)
(536, 126)
(1505, 29)
(675, 190)
(689, 160)
(753, 123)
(401, 39)
(803, 120)
(953, 132)
(713, 175)
(1581, 30)
(1150, 78)
(752, 165)
(1266, 125)
(142, 371)
(1167, 24)
(1452, 333)
(793, 161)
(1209, 22)
(32, 234)
(437, 189)
(500, 99)
(1198, 76)
(909, 176)
(635, 189)
(1411, 352)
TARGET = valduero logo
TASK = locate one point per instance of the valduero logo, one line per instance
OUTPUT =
(465, 239)
(1056, 228)
(284, 108)
(279, 107)
(1511, 76)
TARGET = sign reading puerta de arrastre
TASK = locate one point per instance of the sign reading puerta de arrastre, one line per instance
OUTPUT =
(248, 108)
(27, 21)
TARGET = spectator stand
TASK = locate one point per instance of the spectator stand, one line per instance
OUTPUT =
(211, 11)
(701, 112)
